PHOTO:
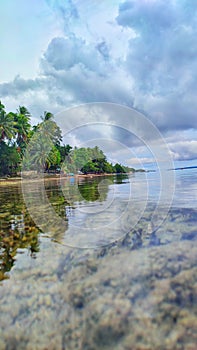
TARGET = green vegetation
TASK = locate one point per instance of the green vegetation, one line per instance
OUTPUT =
(45, 151)
(91, 161)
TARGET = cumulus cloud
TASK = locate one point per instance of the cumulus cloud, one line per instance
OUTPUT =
(64, 53)
(73, 71)
(162, 59)
(143, 55)
(103, 49)
(19, 86)
(84, 72)
(184, 150)
(145, 15)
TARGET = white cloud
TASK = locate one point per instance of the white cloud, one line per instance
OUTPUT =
(162, 59)
(184, 150)
(140, 53)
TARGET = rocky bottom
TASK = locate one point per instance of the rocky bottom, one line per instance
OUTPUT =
(127, 296)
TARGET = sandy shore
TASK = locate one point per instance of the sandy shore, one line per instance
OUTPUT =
(17, 180)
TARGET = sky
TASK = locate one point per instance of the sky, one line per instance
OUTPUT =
(141, 54)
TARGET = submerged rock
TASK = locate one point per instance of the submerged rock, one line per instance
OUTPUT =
(129, 300)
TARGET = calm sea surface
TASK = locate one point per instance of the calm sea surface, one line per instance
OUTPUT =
(102, 262)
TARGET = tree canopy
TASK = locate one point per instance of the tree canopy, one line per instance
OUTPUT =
(45, 151)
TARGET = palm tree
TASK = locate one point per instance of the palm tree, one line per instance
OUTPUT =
(49, 128)
(47, 116)
(1, 106)
(42, 153)
(7, 124)
(23, 126)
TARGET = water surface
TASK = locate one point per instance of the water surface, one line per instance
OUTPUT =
(131, 285)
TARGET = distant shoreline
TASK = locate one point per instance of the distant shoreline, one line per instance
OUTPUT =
(185, 167)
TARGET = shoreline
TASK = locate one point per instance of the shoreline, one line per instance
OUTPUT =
(16, 180)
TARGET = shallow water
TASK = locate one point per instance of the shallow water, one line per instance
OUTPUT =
(106, 269)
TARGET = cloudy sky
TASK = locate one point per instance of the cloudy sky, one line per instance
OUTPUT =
(57, 54)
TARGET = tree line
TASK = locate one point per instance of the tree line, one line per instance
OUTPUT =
(39, 147)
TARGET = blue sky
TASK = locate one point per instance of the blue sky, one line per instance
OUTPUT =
(56, 54)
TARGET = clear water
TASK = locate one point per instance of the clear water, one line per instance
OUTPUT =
(99, 264)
